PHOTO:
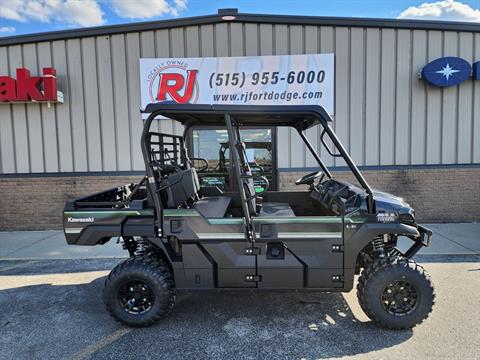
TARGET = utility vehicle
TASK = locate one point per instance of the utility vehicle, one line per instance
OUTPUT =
(180, 235)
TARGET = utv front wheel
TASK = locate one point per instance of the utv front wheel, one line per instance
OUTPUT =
(396, 293)
(139, 291)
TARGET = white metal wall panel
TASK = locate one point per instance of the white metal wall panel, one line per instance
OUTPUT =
(384, 114)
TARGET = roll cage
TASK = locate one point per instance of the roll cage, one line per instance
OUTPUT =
(300, 117)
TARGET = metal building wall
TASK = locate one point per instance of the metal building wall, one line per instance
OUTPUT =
(383, 113)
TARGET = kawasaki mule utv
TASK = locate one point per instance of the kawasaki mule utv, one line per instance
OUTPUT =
(183, 236)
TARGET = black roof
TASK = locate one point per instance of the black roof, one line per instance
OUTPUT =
(232, 15)
(298, 116)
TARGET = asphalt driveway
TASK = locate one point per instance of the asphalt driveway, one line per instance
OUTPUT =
(52, 309)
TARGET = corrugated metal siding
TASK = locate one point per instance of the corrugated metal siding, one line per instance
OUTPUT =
(383, 113)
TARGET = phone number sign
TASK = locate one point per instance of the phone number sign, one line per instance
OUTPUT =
(249, 80)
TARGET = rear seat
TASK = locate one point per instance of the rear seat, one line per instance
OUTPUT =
(183, 186)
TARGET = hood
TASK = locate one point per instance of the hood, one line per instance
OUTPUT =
(388, 203)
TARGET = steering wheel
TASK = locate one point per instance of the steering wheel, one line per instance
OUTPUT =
(309, 179)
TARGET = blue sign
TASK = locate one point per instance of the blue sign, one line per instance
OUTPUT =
(476, 70)
(447, 71)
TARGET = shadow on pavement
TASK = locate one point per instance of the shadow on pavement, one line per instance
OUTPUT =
(59, 321)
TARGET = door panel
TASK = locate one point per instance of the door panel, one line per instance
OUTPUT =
(232, 263)
(315, 244)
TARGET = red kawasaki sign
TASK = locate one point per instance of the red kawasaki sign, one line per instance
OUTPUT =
(27, 88)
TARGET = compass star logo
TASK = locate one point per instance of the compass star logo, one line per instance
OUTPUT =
(447, 71)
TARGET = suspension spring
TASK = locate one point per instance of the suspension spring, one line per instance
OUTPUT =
(378, 247)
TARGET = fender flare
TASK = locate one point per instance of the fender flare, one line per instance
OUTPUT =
(367, 232)
(362, 238)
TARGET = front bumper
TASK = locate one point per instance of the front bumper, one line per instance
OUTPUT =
(424, 240)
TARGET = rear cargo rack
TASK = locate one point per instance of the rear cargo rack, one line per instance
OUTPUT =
(128, 196)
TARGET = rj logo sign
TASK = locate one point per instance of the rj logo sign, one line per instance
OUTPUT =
(173, 84)
(27, 88)
(256, 80)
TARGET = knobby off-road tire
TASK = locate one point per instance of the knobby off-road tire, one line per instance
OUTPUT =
(396, 279)
(140, 290)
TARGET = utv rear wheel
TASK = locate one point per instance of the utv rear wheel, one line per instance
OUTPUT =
(139, 291)
(396, 293)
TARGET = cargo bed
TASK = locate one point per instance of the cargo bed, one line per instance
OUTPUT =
(120, 211)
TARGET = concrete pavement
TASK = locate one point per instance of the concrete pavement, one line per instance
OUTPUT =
(52, 309)
(448, 239)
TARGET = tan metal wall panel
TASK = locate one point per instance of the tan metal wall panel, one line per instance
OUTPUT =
(384, 114)
(19, 118)
(312, 40)
(120, 99)
(342, 89)
(92, 101)
(449, 106)
(356, 120)
(7, 144)
(418, 99)
(133, 78)
(48, 115)
(296, 45)
(77, 106)
(434, 104)
(372, 96)
(327, 45)
(402, 97)
(387, 96)
(62, 111)
(465, 102)
(476, 108)
(34, 120)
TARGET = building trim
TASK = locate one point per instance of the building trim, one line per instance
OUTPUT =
(240, 18)
(385, 167)
(280, 170)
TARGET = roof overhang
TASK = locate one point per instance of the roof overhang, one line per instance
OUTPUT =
(231, 16)
(300, 117)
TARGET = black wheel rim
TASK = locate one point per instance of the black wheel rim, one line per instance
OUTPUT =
(136, 297)
(400, 298)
